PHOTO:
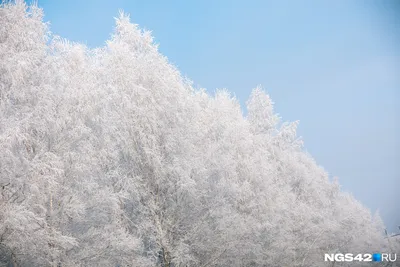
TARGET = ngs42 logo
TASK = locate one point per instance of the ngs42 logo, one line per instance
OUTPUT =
(349, 257)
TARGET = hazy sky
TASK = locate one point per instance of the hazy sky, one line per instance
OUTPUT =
(333, 65)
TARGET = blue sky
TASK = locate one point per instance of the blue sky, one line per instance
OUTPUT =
(333, 65)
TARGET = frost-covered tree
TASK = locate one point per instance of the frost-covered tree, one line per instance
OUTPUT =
(109, 157)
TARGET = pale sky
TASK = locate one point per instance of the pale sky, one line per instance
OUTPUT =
(333, 65)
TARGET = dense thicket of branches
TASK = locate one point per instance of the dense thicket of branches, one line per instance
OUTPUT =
(108, 157)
